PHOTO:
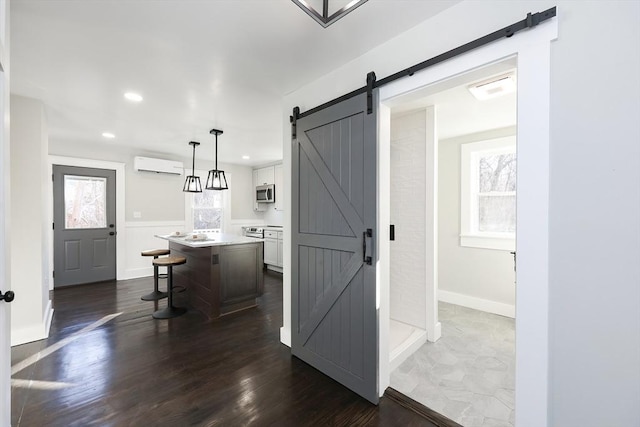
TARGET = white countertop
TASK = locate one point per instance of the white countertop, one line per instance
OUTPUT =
(215, 239)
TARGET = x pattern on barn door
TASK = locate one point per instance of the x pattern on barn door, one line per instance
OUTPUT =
(334, 204)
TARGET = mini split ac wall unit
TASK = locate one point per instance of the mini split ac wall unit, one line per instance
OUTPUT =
(148, 164)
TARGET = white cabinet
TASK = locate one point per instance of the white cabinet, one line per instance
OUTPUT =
(273, 248)
(270, 175)
(279, 184)
(270, 250)
(280, 256)
(260, 207)
(265, 176)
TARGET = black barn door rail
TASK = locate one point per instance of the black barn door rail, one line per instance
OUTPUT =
(532, 20)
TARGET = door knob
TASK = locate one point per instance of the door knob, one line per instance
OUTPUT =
(112, 233)
(7, 296)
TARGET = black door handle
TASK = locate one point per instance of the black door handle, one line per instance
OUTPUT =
(7, 296)
(365, 236)
(112, 233)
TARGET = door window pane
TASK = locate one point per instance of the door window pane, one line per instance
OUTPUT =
(85, 201)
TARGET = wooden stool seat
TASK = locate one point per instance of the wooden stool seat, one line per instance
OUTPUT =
(156, 294)
(170, 311)
(155, 252)
(169, 261)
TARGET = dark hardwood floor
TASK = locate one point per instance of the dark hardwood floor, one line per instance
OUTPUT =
(137, 371)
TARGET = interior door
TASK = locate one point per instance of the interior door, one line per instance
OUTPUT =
(334, 316)
(84, 246)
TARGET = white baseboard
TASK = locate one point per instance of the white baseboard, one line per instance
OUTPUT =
(398, 355)
(285, 336)
(274, 268)
(48, 318)
(136, 273)
(494, 307)
(27, 334)
(36, 332)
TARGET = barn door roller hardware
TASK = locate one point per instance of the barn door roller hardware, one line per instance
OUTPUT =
(531, 21)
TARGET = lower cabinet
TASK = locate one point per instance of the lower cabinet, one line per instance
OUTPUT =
(273, 248)
(270, 250)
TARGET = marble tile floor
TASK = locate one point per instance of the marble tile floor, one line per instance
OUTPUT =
(468, 375)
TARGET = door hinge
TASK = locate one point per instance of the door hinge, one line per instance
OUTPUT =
(53, 225)
(53, 274)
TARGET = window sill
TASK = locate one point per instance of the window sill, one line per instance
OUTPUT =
(501, 243)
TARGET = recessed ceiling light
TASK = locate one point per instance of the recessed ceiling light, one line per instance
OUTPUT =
(494, 87)
(246, 157)
(133, 97)
(108, 135)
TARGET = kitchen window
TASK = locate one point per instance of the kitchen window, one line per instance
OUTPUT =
(207, 212)
(488, 194)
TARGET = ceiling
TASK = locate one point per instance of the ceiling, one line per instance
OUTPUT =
(458, 112)
(222, 64)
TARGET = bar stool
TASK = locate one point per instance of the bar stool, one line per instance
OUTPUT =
(156, 294)
(170, 311)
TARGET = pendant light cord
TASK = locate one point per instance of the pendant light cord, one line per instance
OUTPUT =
(193, 161)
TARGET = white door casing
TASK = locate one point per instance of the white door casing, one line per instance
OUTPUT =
(532, 50)
(5, 238)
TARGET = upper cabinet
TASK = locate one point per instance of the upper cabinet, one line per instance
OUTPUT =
(265, 176)
(279, 184)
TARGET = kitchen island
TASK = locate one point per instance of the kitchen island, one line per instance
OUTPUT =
(223, 272)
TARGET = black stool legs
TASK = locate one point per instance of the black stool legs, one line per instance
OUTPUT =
(156, 294)
(169, 311)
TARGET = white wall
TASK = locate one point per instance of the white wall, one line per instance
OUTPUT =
(594, 230)
(408, 202)
(30, 189)
(159, 200)
(477, 278)
(152, 194)
(594, 234)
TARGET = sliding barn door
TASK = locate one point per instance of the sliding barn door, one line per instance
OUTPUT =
(335, 325)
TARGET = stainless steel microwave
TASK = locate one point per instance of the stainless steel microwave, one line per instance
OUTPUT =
(266, 193)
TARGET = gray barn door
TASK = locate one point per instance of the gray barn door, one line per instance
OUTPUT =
(335, 326)
(84, 234)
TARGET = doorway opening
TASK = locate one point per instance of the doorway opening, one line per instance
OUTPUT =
(119, 224)
(453, 181)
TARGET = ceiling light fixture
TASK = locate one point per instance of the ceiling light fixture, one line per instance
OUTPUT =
(216, 179)
(493, 87)
(192, 183)
(328, 15)
(133, 97)
(108, 135)
(245, 157)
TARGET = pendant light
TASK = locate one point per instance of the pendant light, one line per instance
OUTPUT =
(216, 179)
(192, 183)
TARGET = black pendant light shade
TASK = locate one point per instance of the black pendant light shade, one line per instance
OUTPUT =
(216, 179)
(192, 183)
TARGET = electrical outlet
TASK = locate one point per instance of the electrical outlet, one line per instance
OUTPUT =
(137, 214)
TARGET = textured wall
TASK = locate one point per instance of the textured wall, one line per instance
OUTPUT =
(408, 198)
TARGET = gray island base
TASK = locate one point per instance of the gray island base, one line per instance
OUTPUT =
(222, 275)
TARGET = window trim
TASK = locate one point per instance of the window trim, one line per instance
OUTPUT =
(469, 234)
(226, 203)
